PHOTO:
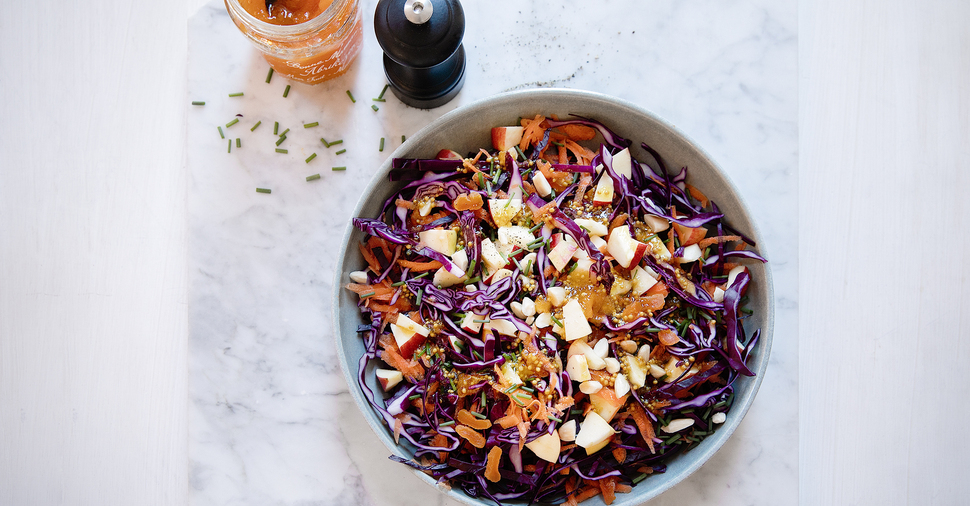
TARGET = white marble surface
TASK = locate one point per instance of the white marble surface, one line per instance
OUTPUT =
(270, 420)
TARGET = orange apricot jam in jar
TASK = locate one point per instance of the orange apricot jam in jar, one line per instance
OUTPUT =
(308, 41)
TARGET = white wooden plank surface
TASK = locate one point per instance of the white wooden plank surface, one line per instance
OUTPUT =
(92, 273)
(884, 288)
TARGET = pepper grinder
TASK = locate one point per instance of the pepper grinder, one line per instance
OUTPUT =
(424, 60)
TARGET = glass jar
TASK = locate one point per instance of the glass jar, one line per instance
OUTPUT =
(310, 51)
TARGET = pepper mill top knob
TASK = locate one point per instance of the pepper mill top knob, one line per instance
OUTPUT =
(423, 57)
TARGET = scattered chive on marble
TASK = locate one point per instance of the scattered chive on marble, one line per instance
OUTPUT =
(221, 135)
(311, 125)
(263, 190)
(286, 91)
(313, 177)
(311, 157)
(255, 126)
(198, 102)
(342, 151)
(281, 150)
(233, 122)
(351, 95)
(269, 75)
(236, 94)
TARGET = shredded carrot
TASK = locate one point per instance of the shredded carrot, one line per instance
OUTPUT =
(583, 155)
(719, 239)
(639, 305)
(584, 181)
(619, 453)
(404, 203)
(623, 488)
(470, 435)
(533, 131)
(668, 337)
(370, 258)
(658, 288)
(697, 194)
(587, 493)
(644, 424)
(378, 292)
(619, 220)
(465, 417)
(491, 466)
(608, 489)
(508, 421)
(398, 427)
(563, 157)
(412, 369)
(419, 266)
(578, 132)
(440, 441)
(468, 202)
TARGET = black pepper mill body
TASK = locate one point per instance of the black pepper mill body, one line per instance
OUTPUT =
(424, 60)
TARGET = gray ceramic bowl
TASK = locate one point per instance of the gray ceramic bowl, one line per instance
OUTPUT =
(468, 128)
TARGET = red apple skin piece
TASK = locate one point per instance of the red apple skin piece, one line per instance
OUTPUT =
(447, 154)
(641, 249)
(388, 378)
(504, 138)
(411, 345)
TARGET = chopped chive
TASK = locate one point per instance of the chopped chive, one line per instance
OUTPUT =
(311, 125)
(471, 266)
(403, 138)
(382, 91)
(382, 145)
(313, 177)
(536, 227)
(639, 478)
(221, 135)
(528, 389)
(236, 94)
(534, 242)
(281, 150)
(286, 91)
(342, 151)
(229, 150)
(269, 75)
(378, 100)
(351, 95)
(425, 273)
(368, 294)
(399, 283)
(284, 132)
(554, 418)
(374, 107)
(512, 388)
(334, 143)
(449, 422)
(556, 320)
(480, 416)
(311, 157)
(476, 279)
(263, 190)
(417, 300)
(233, 122)
(238, 142)
(280, 140)
(276, 127)
(198, 102)
(255, 126)
(338, 168)
(483, 394)
(413, 397)
(573, 268)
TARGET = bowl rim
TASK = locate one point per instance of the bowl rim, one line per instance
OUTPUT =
(713, 442)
